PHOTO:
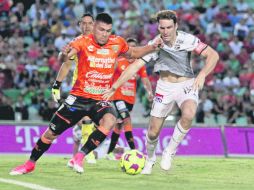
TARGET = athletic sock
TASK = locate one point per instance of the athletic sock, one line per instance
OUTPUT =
(94, 140)
(114, 139)
(39, 149)
(177, 137)
(151, 146)
(129, 138)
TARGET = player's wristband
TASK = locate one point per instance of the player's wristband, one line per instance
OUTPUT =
(56, 84)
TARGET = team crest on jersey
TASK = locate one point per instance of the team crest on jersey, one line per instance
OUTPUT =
(90, 48)
(177, 47)
(115, 48)
(123, 67)
(103, 51)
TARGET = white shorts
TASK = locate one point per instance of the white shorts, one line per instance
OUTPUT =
(77, 133)
(168, 94)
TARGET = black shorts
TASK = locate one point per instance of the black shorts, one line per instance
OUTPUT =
(75, 108)
(123, 109)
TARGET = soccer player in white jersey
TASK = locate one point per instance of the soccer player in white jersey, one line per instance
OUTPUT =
(177, 84)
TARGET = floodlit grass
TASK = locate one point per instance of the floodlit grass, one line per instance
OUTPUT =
(190, 173)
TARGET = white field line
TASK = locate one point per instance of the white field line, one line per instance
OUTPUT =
(25, 184)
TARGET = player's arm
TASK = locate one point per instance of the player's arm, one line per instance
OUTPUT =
(125, 76)
(211, 59)
(138, 52)
(148, 87)
(63, 72)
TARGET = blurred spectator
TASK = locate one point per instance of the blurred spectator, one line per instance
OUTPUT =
(21, 109)
(6, 110)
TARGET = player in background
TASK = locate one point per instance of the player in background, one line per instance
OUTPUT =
(177, 84)
(85, 126)
(124, 99)
(97, 53)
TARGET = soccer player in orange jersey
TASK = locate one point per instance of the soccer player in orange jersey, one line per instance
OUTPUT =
(124, 99)
(97, 53)
(85, 126)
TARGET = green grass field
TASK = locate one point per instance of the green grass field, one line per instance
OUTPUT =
(187, 173)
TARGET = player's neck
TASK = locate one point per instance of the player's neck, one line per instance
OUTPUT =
(172, 41)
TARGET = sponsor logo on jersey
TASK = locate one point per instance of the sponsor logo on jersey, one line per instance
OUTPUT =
(96, 62)
(98, 75)
(115, 48)
(103, 51)
(90, 48)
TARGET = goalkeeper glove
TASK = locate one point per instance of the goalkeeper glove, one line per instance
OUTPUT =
(56, 91)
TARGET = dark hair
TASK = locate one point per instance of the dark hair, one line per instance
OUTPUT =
(129, 40)
(84, 15)
(104, 17)
(87, 14)
(166, 14)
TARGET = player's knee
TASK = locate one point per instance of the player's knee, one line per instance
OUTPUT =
(108, 120)
(49, 135)
(152, 135)
(188, 115)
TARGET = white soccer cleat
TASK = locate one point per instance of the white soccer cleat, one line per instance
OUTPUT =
(147, 170)
(166, 160)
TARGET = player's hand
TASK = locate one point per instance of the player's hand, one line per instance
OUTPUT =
(107, 94)
(55, 91)
(66, 49)
(150, 96)
(158, 43)
(199, 81)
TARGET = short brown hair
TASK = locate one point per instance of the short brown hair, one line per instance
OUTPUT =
(166, 14)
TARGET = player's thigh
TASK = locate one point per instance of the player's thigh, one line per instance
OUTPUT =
(65, 117)
(103, 113)
(189, 109)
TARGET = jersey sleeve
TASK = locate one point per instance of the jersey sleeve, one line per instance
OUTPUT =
(195, 44)
(124, 47)
(142, 72)
(151, 56)
(77, 43)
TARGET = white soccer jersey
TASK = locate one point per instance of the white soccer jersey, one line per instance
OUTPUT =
(176, 59)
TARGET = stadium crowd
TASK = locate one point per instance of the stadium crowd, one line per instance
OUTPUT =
(32, 33)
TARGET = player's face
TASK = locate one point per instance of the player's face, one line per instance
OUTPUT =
(101, 32)
(86, 25)
(167, 29)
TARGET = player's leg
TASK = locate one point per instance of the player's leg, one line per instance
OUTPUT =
(76, 132)
(87, 129)
(114, 139)
(162, 106)
(187, 100)
(127, 125)
(61, 120)
(103, 114)
(123, 109)
(152, 135)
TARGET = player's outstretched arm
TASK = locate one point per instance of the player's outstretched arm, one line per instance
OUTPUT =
(138, 52)
(125, 76)
(212, 58)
